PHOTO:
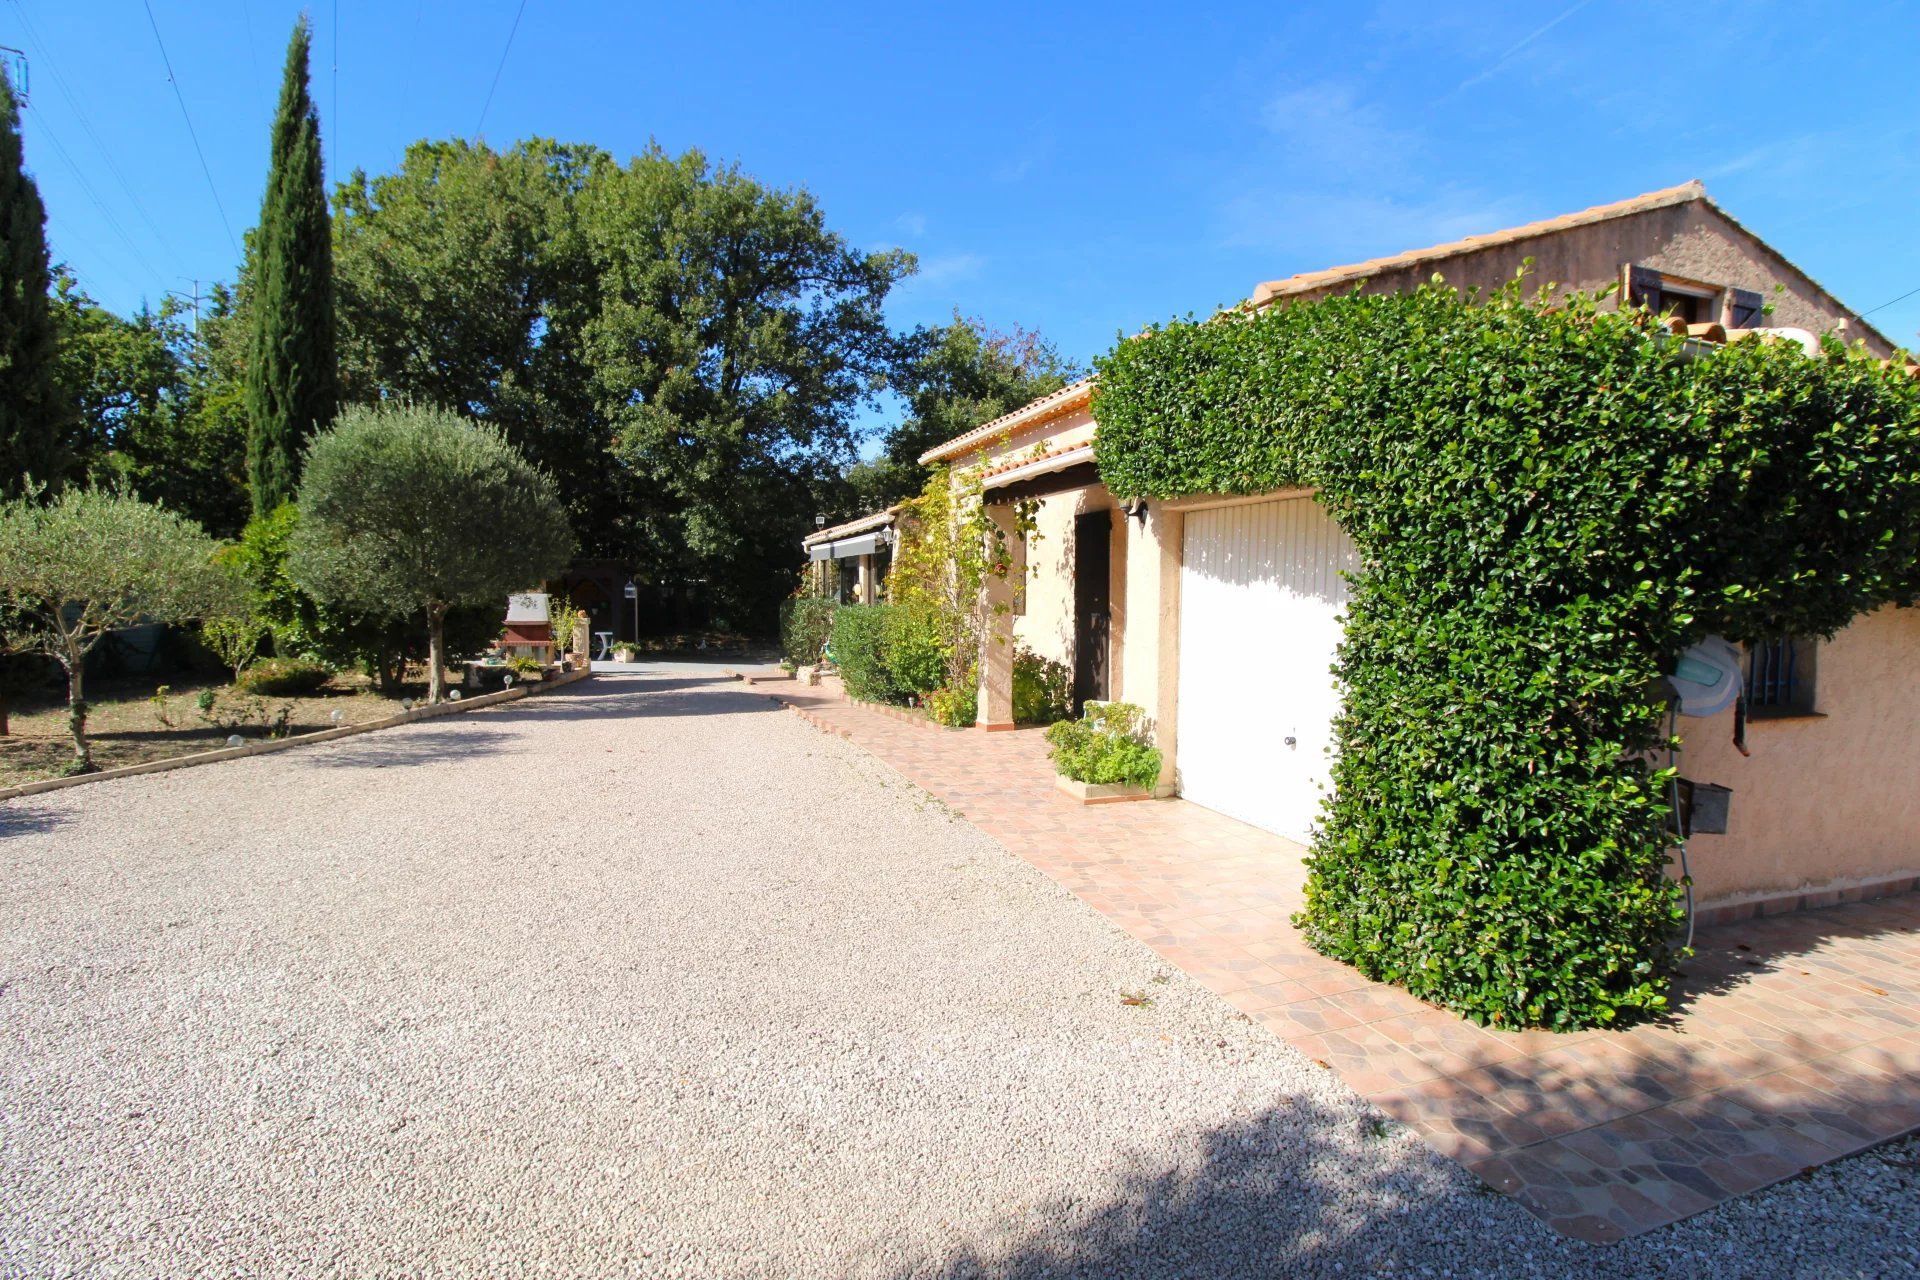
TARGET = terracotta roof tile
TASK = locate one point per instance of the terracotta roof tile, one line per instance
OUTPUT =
(859, 524)
(1067, 399)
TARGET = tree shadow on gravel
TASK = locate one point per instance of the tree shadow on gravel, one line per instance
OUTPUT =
(1295, 1192)
(18, 818)
(1289, 1193)
(670, 696)
(386, 749)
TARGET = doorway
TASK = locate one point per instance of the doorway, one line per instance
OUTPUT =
(1092, 607)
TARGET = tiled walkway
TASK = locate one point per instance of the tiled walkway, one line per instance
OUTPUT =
(1796, 1039)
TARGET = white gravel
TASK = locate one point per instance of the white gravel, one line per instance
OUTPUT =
(649, 978)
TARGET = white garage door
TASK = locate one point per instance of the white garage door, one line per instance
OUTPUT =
(1261, 599)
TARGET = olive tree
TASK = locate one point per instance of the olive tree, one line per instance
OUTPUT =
(409, 508)
(91, 561)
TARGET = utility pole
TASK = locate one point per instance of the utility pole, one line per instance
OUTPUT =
(19, 71)
(194, 298)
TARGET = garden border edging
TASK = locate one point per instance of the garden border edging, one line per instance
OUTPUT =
(281, 744)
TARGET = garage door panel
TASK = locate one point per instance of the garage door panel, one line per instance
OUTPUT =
(1261, 602)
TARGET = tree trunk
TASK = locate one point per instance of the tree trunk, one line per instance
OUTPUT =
(3, 716)
(77, 717)
(436, 650)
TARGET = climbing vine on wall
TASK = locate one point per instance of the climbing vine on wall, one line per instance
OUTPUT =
(948, 550)
(1550, 502)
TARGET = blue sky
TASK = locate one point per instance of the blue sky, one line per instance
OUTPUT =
(1081, 170)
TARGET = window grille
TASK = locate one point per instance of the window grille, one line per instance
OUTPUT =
(1780, 677)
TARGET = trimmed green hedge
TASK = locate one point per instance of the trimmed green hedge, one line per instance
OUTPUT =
(887, 653)
(1550, 504)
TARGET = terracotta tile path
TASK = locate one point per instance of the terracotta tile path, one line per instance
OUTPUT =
(1796, 1038)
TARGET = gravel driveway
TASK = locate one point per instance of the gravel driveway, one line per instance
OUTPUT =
(646, 977)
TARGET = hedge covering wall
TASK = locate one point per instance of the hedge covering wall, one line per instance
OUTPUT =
(1550, 504)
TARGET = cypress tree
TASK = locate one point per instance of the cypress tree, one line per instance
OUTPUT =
(292, 385)
(32, 408)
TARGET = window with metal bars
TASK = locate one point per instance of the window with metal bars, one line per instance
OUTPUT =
(1780, 677)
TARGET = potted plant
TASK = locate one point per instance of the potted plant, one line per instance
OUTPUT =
(1105, 756)
(626, 651)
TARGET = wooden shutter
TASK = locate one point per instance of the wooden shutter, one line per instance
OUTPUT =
(1743, 308)
(1643, 287)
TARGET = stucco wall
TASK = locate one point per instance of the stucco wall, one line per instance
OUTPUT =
(1828, 801)
(1690, 240)
(1047, 626)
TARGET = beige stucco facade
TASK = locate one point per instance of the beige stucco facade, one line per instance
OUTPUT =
(1827, 801)
(1824, 803)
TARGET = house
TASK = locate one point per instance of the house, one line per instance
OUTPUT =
(850, 560)
(1221, 616)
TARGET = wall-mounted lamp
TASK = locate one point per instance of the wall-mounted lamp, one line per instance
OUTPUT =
(819, 522)
(1137, 508)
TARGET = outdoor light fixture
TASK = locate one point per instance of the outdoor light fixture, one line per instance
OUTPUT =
(235, 740)
(819, 522)
(453, 695)
(337, 715)
(1137, 508)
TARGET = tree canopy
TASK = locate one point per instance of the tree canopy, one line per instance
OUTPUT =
(33, 412)
(89, 561)
(411, 509)
(152, 409)
(684, 348)
(291, 376)
(953, 378)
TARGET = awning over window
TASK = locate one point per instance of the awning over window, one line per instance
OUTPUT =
(846, 548)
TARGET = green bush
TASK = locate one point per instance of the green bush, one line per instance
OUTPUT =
(956, 708)
(888, 653)
(1550, 504)
(282, 677)
(1042, 689)
(859, 651)
(1109, 745)
(915, 655)
(806, 623)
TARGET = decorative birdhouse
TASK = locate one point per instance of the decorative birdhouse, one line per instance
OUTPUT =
(529, 628)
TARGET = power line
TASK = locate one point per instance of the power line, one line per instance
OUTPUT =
(191, 133)
(80, 114)
(93, 196)
(1883, 306)
(333, 152)
(502, 67)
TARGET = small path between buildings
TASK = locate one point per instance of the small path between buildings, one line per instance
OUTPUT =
(647, 977)
(1795, 1040)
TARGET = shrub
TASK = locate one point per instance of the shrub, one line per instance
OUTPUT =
(955, 708)
(859, 651)
(235, 639)
(282, 677)
(1042, 689)
(525, 666)
(913, 649)
(1550, 503)
(1109, 745)
(806, 622)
